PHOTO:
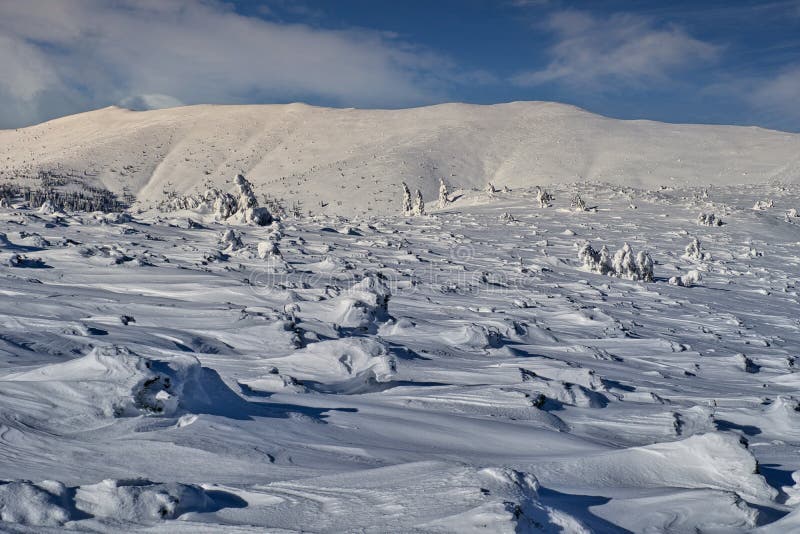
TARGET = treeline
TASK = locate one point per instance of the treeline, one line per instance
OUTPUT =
(54, 189)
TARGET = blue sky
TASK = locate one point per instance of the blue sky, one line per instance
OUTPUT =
(706, 62)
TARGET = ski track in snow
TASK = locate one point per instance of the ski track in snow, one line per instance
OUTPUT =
(154, 378)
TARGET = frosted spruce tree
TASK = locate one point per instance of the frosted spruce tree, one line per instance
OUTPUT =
(624, 264)
(543, 197)
(490, 189)
(644, 266)
(605, 261)
(589, 257)
(419, 204)
(578, 203)
(407, 208)
(443, 194)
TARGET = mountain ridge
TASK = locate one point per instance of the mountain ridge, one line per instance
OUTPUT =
(351, 161)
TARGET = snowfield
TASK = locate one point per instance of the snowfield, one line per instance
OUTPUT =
(458, 371)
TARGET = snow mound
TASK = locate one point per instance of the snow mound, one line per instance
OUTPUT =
(107, 382)
(473, 337)
(140, 501)
(350, 365)
(426, 496)
(137, 502)
(688, 511)
(27, 503)
(707, 461)
(362, 307)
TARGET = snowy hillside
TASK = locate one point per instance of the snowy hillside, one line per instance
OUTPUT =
(348, 161)
(455, 372)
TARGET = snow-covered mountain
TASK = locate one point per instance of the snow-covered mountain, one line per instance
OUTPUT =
(350, 161)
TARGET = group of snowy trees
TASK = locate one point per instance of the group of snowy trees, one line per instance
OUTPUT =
(60, 198)
(708, 219)
(623, 264)
(240, 206)
(416, 205)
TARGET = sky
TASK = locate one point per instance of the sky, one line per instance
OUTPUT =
(722, 62)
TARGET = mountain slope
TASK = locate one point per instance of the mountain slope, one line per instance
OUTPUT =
(353, 160)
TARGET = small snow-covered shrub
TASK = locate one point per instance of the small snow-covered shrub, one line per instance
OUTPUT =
(687, 280)
(761, 205)
(693, 251)
(490, 189)
(231, 240)
(708, 219)
(267, 249)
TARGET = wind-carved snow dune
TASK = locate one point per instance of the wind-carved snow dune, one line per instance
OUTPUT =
(351, 161)
(110, 382)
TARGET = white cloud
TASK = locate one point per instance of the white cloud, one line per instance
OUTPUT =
(62, 57)
(621, 49)
(778, 97)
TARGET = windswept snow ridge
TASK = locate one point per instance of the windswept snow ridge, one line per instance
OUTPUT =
(479, 368)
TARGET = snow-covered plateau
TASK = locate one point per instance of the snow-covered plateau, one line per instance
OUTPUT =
(615, 355)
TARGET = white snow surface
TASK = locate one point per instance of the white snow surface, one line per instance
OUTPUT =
(454, 372)
(352, 162)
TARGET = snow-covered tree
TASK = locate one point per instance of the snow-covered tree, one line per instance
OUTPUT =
(443, 194)
(247, 208)
(577, 203)
(419, 204)
(644, 266)
(589, 257)
(605, 260)
(490, 189)
(708, 219)
(624, 263)
(407, 207)
(543, 197)
(763, 204)
(693, 251)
